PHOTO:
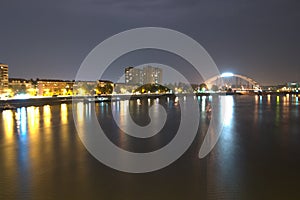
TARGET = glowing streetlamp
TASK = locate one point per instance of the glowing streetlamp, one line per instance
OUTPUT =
(227, 74)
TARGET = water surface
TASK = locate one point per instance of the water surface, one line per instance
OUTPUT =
(257, 156)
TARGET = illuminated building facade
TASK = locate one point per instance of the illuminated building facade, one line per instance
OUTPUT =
(3, 78)
(21, 86)
(133, 76)
(148, 74)
(293, 86)
(50, 87)
(152, 75)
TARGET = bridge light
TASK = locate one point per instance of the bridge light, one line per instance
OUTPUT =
(227, 74)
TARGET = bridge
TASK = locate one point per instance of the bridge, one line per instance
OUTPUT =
(232, 81)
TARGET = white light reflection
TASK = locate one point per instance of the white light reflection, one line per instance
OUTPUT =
(118, 105)
(176, 100)
(260, 99)
(88, 110)
(21, 118)
(138, 102)
(228, 143)
(203, 103)
(228, 114)
(79, 111)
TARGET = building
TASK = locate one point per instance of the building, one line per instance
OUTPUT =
(99, 87)
(21, 86)
(149, 74)
(83, 88)
(152, 75)
(104, 87)
(48, 87)
(293, 86)
(3, 78)
(133, 76)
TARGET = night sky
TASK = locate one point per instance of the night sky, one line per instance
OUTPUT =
(50, 39)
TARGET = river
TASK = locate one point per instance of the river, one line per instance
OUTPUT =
(256, 157)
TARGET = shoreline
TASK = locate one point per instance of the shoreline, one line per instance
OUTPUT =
(17, 103)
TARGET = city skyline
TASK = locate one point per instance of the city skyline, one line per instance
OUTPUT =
(256, 38)
(138, 79)
(143, 79)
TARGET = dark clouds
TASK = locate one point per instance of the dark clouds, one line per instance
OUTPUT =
(51, 38)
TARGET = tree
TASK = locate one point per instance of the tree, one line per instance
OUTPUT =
(214, 88)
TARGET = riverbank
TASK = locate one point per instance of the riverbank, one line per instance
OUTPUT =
(40, 101)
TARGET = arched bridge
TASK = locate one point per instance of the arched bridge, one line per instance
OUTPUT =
(234, 81)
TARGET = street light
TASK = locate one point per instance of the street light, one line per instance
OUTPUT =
(227, 74)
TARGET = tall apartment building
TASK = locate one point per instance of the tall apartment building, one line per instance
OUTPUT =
(133, 76)
(3, 78)
(152, 75)
(146, 75)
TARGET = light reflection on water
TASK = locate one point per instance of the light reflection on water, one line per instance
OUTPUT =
(277, 112)
(47, 115)
(8, 122)
(21, 118)
(64, 113)
(33, 114)
(229, 111)
(79, 110)
(269, 99)
(40, 154)
(296, 100)
(203, 103)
